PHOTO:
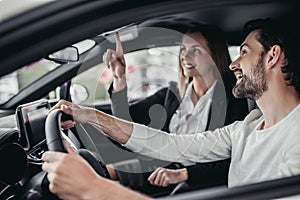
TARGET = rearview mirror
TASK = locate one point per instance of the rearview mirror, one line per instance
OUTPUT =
(68, 54)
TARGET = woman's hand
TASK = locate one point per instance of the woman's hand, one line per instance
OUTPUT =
(116, 63)
(164, 177)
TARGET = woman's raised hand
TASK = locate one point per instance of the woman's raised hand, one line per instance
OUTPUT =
(116, 63)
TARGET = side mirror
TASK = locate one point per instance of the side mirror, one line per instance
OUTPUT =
(68, 54)
(79, 93)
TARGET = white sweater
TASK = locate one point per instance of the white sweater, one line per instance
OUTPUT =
(256, 155)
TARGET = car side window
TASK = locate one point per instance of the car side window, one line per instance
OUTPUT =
(147, 71)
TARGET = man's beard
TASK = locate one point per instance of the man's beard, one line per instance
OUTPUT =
(252, 86)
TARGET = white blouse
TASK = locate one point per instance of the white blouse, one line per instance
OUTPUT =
(190, 118)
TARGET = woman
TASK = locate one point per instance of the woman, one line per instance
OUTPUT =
(201, 101)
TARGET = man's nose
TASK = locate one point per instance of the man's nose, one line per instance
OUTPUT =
(234, 65)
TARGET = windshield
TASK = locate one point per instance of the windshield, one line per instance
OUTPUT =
(11, 84)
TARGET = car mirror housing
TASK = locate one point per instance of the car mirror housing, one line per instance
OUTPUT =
(68, 54)
(79, 93)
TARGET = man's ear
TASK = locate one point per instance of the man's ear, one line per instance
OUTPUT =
(274, 56)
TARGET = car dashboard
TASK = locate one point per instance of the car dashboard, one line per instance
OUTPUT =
(31, 119)
(22, 144)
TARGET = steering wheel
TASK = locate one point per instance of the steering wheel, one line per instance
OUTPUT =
(54, 140)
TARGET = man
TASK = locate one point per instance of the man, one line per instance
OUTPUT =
(260, 147)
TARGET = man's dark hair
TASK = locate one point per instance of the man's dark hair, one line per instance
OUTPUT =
(279, 32)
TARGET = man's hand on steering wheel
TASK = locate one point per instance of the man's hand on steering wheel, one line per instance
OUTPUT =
(68, 173)
(78, 113)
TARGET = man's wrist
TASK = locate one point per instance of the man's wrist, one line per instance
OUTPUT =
(93, 191)
(111, 171)
(91, 115)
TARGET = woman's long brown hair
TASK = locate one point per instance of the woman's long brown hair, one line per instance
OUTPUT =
(219, 51)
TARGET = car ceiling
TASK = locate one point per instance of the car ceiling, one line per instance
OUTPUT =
(8, 8)
(47, 31)
(229, 18)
